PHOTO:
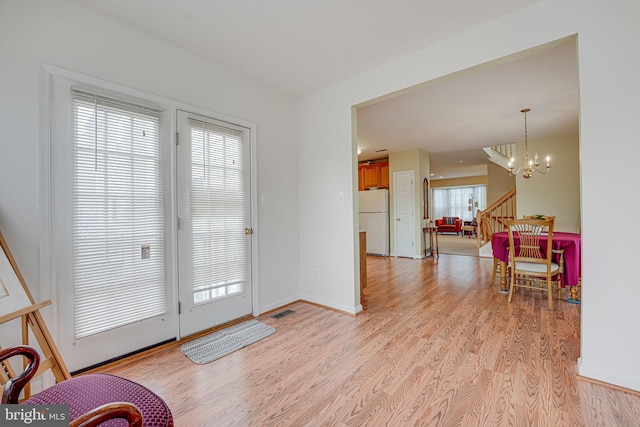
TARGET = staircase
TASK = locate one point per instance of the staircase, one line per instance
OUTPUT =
(494, 219)
(500, 154)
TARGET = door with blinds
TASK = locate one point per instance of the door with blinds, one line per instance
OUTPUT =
(214, 222)
(109, 224)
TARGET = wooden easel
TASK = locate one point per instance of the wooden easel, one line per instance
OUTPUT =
(32, 319)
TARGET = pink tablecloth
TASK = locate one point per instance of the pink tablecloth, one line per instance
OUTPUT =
(570, 242)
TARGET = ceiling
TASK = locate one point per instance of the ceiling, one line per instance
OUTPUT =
(300, 46)
(454, 117)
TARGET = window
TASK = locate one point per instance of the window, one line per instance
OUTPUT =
(117, 214)
(217, 211)
(459, 201)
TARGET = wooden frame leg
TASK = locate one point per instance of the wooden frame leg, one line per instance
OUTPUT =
(503, 276)
(550, 292)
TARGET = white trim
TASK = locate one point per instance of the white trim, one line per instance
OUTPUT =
(346, 309)
(279, 304)
(630, 383)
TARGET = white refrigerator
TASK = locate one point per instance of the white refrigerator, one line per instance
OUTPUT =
(374, 219)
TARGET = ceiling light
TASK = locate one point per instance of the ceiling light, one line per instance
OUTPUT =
(529, 167)
(460, 161)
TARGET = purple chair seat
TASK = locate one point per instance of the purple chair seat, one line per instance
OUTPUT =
(86, 392)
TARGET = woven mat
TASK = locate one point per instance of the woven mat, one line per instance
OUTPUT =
(225, 341)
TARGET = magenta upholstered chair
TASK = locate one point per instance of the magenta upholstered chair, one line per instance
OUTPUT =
(120, 401)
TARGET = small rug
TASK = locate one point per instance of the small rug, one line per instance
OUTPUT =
(225, 341)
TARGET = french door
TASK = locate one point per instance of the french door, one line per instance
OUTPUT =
(111, 245)
(122, 278)
(214, 222)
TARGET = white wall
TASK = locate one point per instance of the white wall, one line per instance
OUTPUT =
(608, 41)
(558, 192)
(68, 36)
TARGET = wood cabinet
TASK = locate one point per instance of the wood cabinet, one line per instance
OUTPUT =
(384, 175)
(373, 175)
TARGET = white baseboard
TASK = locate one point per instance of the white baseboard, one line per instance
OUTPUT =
(628, 383)
(280, 303)
(332, 305)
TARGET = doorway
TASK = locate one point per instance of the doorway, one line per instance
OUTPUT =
(214, 211)
(147, 240)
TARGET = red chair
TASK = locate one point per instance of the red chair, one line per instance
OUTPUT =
(92, 398)
(449, 224)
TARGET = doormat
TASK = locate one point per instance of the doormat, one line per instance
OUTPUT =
(225, 341)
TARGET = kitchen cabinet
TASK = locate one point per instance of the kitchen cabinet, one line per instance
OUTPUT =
(384, 175)
(373, 175)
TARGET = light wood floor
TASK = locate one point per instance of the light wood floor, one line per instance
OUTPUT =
(436, 345)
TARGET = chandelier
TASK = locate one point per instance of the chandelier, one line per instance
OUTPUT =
(529, 167)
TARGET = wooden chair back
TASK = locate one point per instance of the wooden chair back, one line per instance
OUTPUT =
(527, 232)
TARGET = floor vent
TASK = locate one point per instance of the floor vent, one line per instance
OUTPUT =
(282, 314)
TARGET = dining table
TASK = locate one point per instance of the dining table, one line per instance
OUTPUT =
(570, 243)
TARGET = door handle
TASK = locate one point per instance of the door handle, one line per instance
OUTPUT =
(398, 219)
(248, 231)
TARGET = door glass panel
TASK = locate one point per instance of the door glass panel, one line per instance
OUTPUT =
(218, 216)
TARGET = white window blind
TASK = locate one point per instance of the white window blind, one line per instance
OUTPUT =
(117, 219)
(217, 211)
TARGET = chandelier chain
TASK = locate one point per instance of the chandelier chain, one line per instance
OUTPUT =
(529, 167)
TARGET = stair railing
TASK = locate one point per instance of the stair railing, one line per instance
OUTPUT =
(495, 217)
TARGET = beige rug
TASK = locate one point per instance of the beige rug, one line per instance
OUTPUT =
(225, 341)
(457, 245)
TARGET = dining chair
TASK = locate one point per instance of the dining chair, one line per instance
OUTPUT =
(559, 254)
(92, 398)
(529, 262)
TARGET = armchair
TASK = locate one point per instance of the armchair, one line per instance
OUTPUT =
(92, 398)
(449, 224)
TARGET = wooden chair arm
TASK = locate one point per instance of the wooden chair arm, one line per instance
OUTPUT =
(14, 386)
(97, 416)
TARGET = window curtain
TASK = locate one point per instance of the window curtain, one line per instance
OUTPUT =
(456, 201)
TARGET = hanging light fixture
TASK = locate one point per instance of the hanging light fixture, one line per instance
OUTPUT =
(529, 167)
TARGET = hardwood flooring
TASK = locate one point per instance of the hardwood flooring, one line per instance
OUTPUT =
(437, 345)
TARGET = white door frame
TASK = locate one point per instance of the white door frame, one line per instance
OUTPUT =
(49, 285)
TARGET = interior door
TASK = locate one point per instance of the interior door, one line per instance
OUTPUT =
(214, 215)
(404, 203)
